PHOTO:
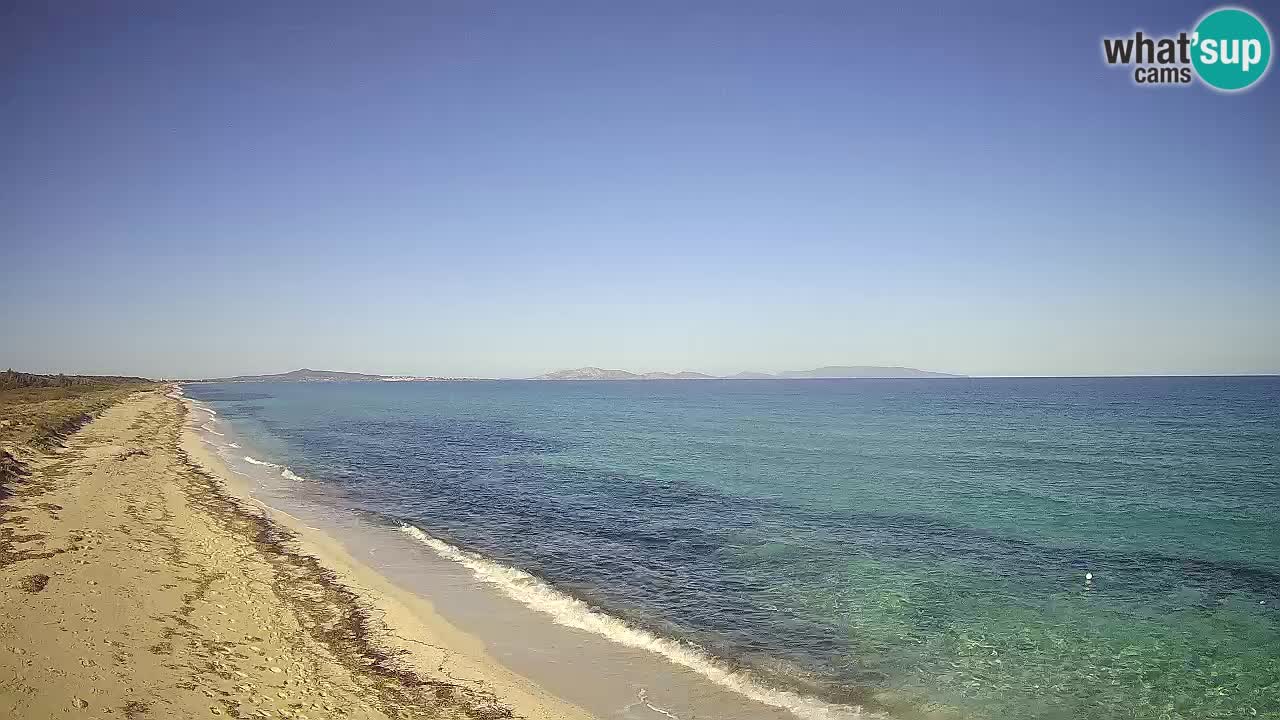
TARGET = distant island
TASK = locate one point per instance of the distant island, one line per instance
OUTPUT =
(595, 373)
(309, 375)
(827, 372)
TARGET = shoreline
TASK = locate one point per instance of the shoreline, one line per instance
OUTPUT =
(136, 582)
(408, 628)
(636, 673)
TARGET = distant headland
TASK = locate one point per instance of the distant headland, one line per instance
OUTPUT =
(309, 375)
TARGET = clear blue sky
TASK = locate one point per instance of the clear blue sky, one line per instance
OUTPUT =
(500, 189)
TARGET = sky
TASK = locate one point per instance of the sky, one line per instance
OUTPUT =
(501, 189)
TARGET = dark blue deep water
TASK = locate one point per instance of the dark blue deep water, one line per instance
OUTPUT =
(908, 544)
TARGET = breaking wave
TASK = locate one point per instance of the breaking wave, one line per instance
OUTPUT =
(572, 612)
(256, 461)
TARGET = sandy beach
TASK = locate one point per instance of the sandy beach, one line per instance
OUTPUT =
(139, 580)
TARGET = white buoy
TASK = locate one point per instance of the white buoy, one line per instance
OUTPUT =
(1088, 577)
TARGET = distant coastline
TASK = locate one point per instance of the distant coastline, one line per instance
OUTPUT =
(596, 373)
(592, 373)
(827, 372)
(309, 375)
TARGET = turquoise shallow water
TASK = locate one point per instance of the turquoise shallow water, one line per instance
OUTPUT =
(914, 546)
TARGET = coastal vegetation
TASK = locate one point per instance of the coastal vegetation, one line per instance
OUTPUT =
(39, 410)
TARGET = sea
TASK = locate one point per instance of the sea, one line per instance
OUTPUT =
(911, 548)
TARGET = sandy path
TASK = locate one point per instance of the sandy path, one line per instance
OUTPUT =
(132, 586)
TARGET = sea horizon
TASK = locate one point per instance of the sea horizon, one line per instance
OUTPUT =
(950, 376)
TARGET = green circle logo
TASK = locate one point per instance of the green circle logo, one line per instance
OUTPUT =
(1232, 49)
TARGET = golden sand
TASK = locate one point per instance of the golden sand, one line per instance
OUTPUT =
(138, 580)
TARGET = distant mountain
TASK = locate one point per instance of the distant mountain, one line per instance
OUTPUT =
(303, 375)
(309, 375)
(831, 371)
(684, 375)
(595, 373)
(588, 373)
(863, 371)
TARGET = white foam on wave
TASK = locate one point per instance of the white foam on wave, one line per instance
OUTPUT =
(256, 461)
(285, 472)
(233, 446)
(642, 698)
(572, 612)
(209, 429)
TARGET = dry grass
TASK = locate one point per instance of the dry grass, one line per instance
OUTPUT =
(35, 419)
(39, 417)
